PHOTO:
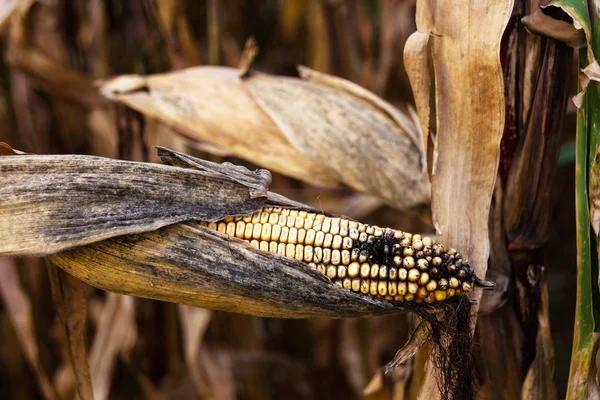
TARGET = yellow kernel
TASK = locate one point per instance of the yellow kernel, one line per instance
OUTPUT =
(352, 225)
(424, 278)
(399, 297)
(378, 231)
(310, 237)
(363, 237)
(228, 220)
(290, 250)
(374, 271)
(402, 288)
(344, 228)
(335, 226)
(276, 232)
(299, 252)
(327, 256)
(356, 284)
(341, 271)
(437, 261)
(299, 223)
(326, 227)
(373, 287)
(450, 292)
(347, 283)
(397, 261)
(345, 257)
(328, 240)
(409, 297)
(256, 231)
(282, 220)
(322, 269)
(392, 288)
(365, 270)
(412, 287)
(293, 236)
(427, 242)
(319, 237)
(248, 231)
(318, 254)
(255, 244)
(281, 249)
(312, 265)
(337, 242)
(265, 234)
(301, 235)
(422, 292)
(302, 214)
(370, 229)
(353, 234)
(308, 253)
(284, 234)
(408, 262)
(222, 227)
(413, 275)
(273, 247)
(336, 257)
(277, 210)
(382, 288)
(264, 217)
(320, 217)
(291, 221)
(431, 286)
(256, 217)
(417, 245)
(264, 246)
(353, 269)
(402, 274)
(440, 295)
(422, 264)
(347, 243)
(247, 218)
(454, 283)
(393, 273)
(212, 225)
(331, 272)
(285, 211)
(308, 223)
(364, 286)
(273, 218)
(230, 228)
(317, 224)
(383, 272)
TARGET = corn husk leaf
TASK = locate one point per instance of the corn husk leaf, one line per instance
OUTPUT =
(68, 206)
(469, 99)
(57, 202)
(321, 129)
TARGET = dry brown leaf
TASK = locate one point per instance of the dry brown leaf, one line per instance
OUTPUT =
(366, 142)
(69, 299)
(543, 24)
(353, 137)
(18, 307)
(117, 332)
(468, 93)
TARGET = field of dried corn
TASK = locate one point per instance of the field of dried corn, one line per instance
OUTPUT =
(140, 136)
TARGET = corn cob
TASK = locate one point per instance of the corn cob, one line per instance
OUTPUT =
(383, 263)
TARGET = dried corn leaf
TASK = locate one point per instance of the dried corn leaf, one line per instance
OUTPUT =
(469, 98)
(57, 202)
(203, 268)
(320, 129)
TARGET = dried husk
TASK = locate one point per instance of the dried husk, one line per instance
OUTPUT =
(321, 129)
(464, 47)
(68, 206)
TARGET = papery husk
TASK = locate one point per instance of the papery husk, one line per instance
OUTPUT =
(320, 129)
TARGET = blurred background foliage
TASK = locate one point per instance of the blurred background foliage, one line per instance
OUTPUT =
(54, 49)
